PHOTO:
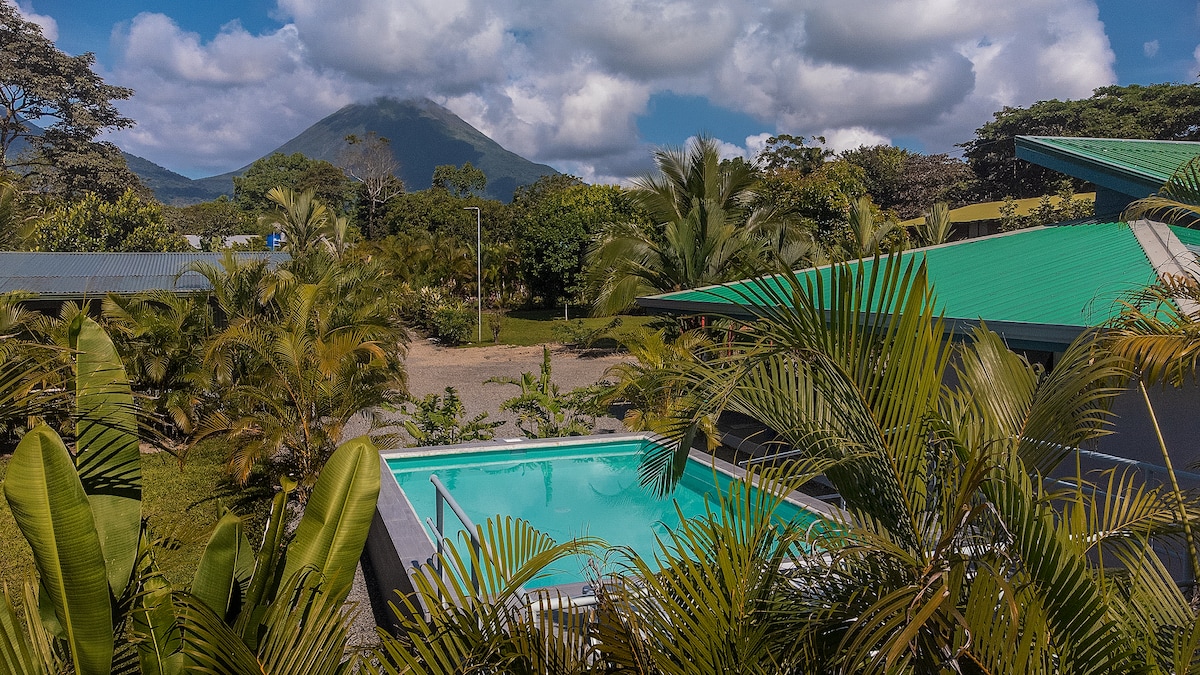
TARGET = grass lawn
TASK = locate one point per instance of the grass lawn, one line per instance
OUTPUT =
(538, 326)
(182, 505)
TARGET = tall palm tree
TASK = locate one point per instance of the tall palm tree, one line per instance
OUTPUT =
(703, 230)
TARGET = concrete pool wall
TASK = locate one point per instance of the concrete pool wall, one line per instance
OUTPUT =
(399, 541)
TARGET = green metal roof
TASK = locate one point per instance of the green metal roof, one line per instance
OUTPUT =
(1136, 168)
(1189, 237)
(1038, 287)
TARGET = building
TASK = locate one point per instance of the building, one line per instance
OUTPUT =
(55, 278)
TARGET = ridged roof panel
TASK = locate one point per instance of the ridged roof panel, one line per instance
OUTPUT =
(1153, 160)
(1066, 275)
(94, 274)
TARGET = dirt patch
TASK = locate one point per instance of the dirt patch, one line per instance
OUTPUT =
(432, 368)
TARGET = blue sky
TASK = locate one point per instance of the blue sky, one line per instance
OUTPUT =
(588, 88)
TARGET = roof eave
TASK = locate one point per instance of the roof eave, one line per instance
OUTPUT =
(1104, 174)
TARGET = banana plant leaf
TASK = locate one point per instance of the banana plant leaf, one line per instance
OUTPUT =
(108, 456)
(50, 506)
(225, 567)
(338, 515)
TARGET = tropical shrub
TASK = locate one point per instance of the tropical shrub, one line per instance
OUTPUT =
(542, 411)
(453, 322)
(99, 604)
(438, 420)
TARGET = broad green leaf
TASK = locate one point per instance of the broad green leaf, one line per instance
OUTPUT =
(155, 632)
(108, 456)
(334, 527)
(52, 510)
(224, 569)
(17, 655)
(264, 581)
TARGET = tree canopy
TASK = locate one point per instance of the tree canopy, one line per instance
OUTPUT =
(1157, 111)
(52, 107)
(95, 224)
(294, 171)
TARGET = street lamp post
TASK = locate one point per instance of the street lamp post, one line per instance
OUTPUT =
(478, 264)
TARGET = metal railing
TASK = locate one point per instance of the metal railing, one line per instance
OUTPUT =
(442, 497)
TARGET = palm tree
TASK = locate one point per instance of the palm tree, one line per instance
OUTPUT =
(935, 228)
(301, 218)
(703, 230)
(328, 350)
(1177, 202)
(866, 235)
(163, 348)
(946, 524)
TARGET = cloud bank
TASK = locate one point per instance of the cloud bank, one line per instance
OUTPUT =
(564, 82)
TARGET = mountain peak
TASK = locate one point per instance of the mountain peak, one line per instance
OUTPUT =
(423, 136)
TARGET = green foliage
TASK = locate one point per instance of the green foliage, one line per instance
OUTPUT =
(555, 230)
(495, 630)
(93, 224)
(935, 228)
(81, 514)
(464, 181)
(701, 230)
(305, 222)
(821, 198)
(1061, 207)
(1158, 111)
(542, 412)
(453, 322)
(294, 172)
(437, 420)
(910, 182)
(211, 221)
(40, 84)
(162, 337)
(306, 350)
(789, 153)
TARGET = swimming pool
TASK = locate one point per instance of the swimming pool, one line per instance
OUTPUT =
(568, 488)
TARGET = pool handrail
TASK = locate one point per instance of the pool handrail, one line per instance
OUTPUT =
(442, 496)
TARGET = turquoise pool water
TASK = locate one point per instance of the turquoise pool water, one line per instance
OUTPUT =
(567, 491)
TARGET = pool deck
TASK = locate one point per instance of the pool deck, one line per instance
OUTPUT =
(399, 542)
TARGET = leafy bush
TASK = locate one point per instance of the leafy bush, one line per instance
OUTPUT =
(454, 322)
(437, 420)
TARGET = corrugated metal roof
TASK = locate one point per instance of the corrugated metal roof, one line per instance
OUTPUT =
(1046, 284)
(1155, 160)
(94, 274)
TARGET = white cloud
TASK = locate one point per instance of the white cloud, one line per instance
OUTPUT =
(210, 107)
(48, 24)
(564, 82)
(1150, 49)
(839, 140)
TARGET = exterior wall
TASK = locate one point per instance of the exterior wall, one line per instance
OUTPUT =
(1178, 414)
